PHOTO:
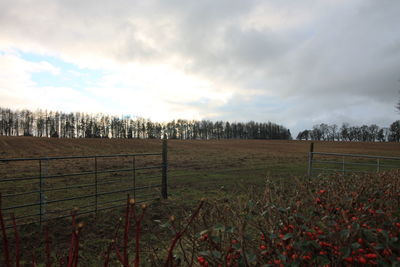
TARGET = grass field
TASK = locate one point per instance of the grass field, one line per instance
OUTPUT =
(220, 170)
(196, 168)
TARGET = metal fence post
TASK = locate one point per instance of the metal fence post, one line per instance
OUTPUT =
(310, 159)
(164, 185)
(95, 184)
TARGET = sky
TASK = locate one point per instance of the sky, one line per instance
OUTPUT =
(295, 63)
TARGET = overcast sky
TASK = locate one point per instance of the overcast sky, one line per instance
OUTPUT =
(296, 63)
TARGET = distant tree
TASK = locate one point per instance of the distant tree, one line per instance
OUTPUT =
(83, 125)
(344, 132)
(332, 132)
(394, 129)
(303, 135)
(383, 134)
(316, 133)
(373, 132)
(364, 131)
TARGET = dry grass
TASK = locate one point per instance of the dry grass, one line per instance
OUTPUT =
(11, 147)
(203, 166)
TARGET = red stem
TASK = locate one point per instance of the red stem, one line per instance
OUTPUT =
(126, 233)
(120, 258)
(48, 249)
(5, 240)
(137, 238)
(33, 259)
(180, 234)
(76, 255)
(137, 247)
(107, 255)
(17, 242)
(71, 246)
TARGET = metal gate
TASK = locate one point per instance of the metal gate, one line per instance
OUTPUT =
(323, 162)
(39, 189)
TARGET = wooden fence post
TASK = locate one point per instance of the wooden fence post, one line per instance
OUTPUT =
(164, 183)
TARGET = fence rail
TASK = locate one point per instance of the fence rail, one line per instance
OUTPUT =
(43, 188)
(328, 162)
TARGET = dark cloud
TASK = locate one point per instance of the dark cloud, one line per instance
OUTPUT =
(328, 61)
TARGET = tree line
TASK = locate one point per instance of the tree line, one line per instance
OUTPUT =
(43, 123)
(364, 133)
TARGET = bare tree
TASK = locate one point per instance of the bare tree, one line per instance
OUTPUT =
(83, 125)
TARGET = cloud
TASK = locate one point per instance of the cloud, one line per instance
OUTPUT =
(19, 91)
(295, 62)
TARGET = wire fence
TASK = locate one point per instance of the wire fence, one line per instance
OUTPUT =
(39, 189)
(323, 162)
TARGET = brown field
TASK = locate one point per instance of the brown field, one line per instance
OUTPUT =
(273, 156)
(201, 166)
(13, 147)
(196, 168)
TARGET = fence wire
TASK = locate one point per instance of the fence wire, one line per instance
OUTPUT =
(321, 162)
(40, 189)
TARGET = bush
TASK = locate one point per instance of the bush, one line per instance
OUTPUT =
(325, 221)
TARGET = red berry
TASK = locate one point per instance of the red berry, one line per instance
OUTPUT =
(372, 211)
(324, 244)
(362, 260)
(201, 260)
(371, 256)
(348, 259)
(387, 252)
